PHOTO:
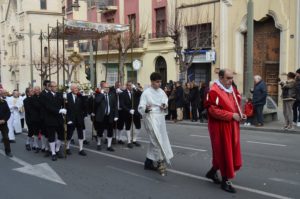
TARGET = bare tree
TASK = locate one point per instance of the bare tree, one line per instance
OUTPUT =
(43, 68)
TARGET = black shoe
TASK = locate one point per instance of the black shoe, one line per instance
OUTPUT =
(33, 148)
(37, 150)
(72, 141)
(148, 165)
(121, 142)
(85, 142)
(12, 141)
(43, 150)
(213, 176)
(9, 154)
(136, 144)
(82, 153)
(59, 154)
(54, 157)
(130, 145)
(227, 186)
(99, 147)
(68, 152)
(28, 148)
(110, 149)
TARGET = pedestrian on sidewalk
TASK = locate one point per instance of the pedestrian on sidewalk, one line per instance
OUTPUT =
(4, 117)
(288, 97)
(195, 101)
(179, 101)
(296, 106)
(224, 119)
(172, 104)
(259, 99)
(187, 101)
(248, 111)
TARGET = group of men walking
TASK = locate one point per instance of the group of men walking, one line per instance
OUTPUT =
(47, 112)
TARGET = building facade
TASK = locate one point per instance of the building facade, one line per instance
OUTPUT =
(211, 35)
(16, 17)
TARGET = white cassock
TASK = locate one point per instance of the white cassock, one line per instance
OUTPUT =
(155, 124)
(14, 122)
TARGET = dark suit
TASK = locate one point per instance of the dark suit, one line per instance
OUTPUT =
(121, 122)
(75, 114)
(4, 115)
(126, 106)
(54, 120)
(42, 101)
(28, 120)
(104, 119)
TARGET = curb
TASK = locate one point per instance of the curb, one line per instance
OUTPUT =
(251, 128)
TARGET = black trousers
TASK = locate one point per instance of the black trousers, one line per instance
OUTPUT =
(105, 124)
(186, 112)
(258, 111)
(4, 131)
(194, 112)
(72, 127)
(53, 130)
(296, 111)
(44, 129)
(34, 128)
(121, 121)
(136, 121)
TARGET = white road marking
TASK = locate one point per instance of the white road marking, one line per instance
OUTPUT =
(285, 181)
(180, 147)
(132, 174)
(200, 136)
(255, 191)
(265, 143)
(42, 170)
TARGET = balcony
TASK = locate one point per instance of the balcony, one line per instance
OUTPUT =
(158, 37)
(102, 47)
(107, 6)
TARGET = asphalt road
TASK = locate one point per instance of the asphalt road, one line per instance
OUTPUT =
(271, 169)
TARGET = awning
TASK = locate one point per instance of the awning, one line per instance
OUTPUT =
(83, 30)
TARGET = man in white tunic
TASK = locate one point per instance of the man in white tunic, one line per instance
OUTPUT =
(153, 108)
(15, 104)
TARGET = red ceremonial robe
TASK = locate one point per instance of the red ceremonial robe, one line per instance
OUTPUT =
(224, 130)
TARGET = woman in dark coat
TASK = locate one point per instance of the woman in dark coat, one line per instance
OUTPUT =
(195, 100)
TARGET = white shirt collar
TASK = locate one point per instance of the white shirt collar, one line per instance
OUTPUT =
(227, 90)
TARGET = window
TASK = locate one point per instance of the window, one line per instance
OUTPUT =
(160, 22)
(91, 3)
(69, 5)
(43, 4)
(45, 52)
(110, 20)
(199, 36)
(132, 22)
(112, 74)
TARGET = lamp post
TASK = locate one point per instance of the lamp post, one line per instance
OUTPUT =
(30, 34)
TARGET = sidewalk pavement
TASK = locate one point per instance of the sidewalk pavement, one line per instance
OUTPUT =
(274, 126)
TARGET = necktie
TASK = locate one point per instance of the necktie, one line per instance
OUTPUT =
(106, 104)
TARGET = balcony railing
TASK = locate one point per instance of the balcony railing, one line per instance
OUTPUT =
(107, 6)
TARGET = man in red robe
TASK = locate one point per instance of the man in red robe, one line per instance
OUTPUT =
(224, 119)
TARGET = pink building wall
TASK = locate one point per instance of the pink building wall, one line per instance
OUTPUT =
(157, 4)
(132, 7)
